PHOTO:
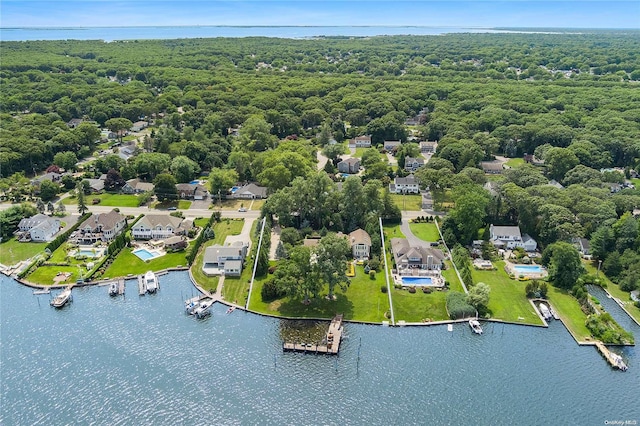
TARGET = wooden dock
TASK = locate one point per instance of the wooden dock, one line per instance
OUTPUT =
(121, 286)
(613, 359)
(142, 288)
(330, 345)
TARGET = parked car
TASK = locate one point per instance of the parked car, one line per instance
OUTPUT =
(172, 208)
(242, 209)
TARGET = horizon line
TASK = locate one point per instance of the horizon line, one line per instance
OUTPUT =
(314, 26)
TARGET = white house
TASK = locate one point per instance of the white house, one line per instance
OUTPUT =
(360, 142)
(224, 259)
(160, 226)
(405, 185)
(360, 244)
(40, 227)
(510, 237)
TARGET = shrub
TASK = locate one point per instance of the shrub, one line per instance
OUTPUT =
(383, 288)
(412, 290)
(271, 291)
(426, 290)
(457, 306)
(372, 275)
(272, 269)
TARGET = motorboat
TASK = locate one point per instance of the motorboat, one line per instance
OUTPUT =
(150, 282)
(113, 289)
(61, 298)
(618, 362)
(475, 326)
(203, 309)
(544, 310)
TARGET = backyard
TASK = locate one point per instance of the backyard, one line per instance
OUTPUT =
(127, 263)
(12, 251)
(507, 301)
(45, 274)
(363, 301)
(569, 310)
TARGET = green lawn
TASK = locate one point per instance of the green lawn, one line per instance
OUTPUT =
(391, 231)
(12, 251)
(359, 152)
(515, 162)
(615, 291)
(507, 300)
(236, 289)
(452, 278)
(128, 263)
(201, 221)
(425, 231)
(419, 307)
(222, 230)
(407, 202)
(569, 310)
(363, 301)
(109, 200)
(45, 274)
(180, 204)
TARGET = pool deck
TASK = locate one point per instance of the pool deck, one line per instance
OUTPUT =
(510, 269)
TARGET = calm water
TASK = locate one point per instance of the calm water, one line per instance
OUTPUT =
(141, 360)
(145, 33)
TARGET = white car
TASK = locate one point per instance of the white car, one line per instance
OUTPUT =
(242, 209)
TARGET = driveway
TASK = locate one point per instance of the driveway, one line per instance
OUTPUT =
(200, 204)
(244, 236)
(413, 240)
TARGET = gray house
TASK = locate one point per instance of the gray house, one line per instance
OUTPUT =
(225, 260)
(350, 165)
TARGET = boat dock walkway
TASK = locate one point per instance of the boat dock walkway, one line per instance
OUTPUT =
(121, 286)
(142, 288)
(331, 341)
(612, 358)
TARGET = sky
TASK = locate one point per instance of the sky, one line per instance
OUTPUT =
(448, 13)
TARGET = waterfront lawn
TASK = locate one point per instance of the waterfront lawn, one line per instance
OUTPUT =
(425, 231)
(569, 310)
(407, 202)
(236, 289)
(450, 275)
(12, 251)
(128, 263)
(507, 300)
(45, 274)
(419, 307)
(615, 291)
(363, 301)
(109, 200)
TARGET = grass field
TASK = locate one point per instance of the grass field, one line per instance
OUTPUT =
(425, 231)
(407, 202)
(419, 307)
(515, 162)
(109, 200)
(391, 231)
(128, 263)
(359, 152)
(507, 300)
(222, 230)
(180, 204)
(615, 291)
(569, 310)
(12, 251)
(363, 301)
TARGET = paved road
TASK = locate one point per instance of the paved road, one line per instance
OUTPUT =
(322, 160)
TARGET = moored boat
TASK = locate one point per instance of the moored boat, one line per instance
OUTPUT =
(617, 361)
(203, 309)
(113, 289)
(150, 282)
(544, 310)
(231, 309)
(475, 326)
(61, 298)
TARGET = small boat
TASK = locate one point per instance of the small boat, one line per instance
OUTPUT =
(150, 282)
(61, 298)
(475, 326)
(544, 310)
(204, 309)
(113, 289)
(618, 362)
(42, 291)
(231, 309)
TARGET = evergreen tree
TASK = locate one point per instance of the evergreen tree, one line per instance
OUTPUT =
(82, 206)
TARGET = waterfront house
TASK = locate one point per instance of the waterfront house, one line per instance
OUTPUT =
(250, 191)
(225, 260)
(408, 258)
(350, 165)
(101, 227)
(360, 242)
(160, 226)
(136, 186)
(405, 185)
(412, 164)
(360, 142)
(39, 228)
(510, 237)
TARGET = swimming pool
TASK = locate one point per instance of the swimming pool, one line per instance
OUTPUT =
(89, 253)
(417, 281)
(527, 269)
(234, 189)
(145, 254)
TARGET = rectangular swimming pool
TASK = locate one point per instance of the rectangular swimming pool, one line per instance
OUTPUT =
(417, 281)
(145, 254)
(89, 253)
(527, 269)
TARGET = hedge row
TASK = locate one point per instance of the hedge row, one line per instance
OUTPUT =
(215, 217)
(57, 242)
(120, 242)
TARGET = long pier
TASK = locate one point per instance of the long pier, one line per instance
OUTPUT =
(331, 342)
(612, 358)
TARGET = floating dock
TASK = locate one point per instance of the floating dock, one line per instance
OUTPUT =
(330, 345)
(614, 359)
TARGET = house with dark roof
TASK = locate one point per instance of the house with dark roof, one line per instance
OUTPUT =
(408, 258)
(360, 242)
(74, 122)
(350, 165)
(412, 164)
(392, 146)
(250, 191)
(405, 185)
(428, 147)
(101, 227)
(509, 237)
(192, 191)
